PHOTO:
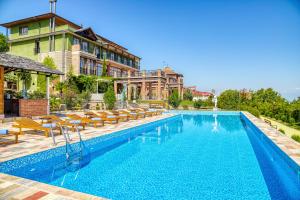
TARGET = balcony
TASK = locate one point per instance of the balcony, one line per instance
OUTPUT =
(144, 74)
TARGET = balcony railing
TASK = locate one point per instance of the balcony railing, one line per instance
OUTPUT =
(142, 74)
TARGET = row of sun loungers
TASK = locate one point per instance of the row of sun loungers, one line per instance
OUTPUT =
(72, 121)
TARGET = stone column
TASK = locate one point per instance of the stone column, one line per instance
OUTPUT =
(143, 89)
(116, 89)
(159, 85)
(134, 94)
(128, 85)
(129, 92)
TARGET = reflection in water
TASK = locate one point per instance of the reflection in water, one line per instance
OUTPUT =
(215, 124)
(230, 123)
(187, 117)
(163, 132)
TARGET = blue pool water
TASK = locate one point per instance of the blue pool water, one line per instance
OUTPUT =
(189, 156)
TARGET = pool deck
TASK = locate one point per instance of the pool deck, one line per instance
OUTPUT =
(285, 143)
(12, 187)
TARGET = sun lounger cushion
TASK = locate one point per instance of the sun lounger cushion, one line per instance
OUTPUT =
(96, 118)
(75, 121)
(111, 117)
(52, 125)
(3, 132)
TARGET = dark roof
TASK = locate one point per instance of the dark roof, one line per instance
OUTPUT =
(87, 32)
(12, 62)
(111, 43)
(58, 20)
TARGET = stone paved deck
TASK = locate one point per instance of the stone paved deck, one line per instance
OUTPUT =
(12, 187)
(286, 144)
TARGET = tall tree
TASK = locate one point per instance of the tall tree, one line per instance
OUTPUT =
(3, 43)
(41, 80)
(104, 68)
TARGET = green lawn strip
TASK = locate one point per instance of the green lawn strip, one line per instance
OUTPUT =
(288, 130)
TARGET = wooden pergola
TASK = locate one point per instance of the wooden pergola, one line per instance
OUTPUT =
(9, 63)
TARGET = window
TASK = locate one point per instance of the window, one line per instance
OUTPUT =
(85, 46)
(23, 30)
(93, 68)
(104, 54)
(108, 55)
(99, 69)
(81, 65)
(113, 70)
(112, 56)
(137, 65)
(37, 47)
(97, 52)
(130, 63)
(75, 41)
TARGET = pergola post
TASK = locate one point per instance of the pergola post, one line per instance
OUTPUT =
(1, 92)
(48, 94)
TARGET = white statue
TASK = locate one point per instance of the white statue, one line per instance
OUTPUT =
(215, 100)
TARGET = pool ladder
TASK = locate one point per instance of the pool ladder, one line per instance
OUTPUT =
(75, 157)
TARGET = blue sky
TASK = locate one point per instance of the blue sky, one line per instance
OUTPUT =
(216, 44)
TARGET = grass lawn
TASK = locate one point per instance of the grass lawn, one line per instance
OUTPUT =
(288, 130)
(186, 103)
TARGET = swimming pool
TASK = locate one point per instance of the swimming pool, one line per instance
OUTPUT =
(193, 155)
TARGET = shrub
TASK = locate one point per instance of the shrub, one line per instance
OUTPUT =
(292, 120)
(281, 130)
(69, 98)
(185, 107)
(174, 99)
(109, 98)
(187, 95)
(102, 86)
(252, 110)
(97, 106)
(54, 103)
(296, 138)
(36, 95)
(198, 104)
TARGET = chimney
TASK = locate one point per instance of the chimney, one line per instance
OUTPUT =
(52, 25)
(53, 6)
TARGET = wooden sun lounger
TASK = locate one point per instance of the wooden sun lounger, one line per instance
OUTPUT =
(59, 121)
(132, 115)
(110, 118)
(9, 133)
(85, 120)
(147, 112)
(140, 113)
(30, 124)
(120, 116)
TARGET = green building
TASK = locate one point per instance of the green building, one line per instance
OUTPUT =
(72, 47)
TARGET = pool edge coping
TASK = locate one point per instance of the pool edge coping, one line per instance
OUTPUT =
(286, 144)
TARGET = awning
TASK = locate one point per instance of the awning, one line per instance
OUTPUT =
(18, 63)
